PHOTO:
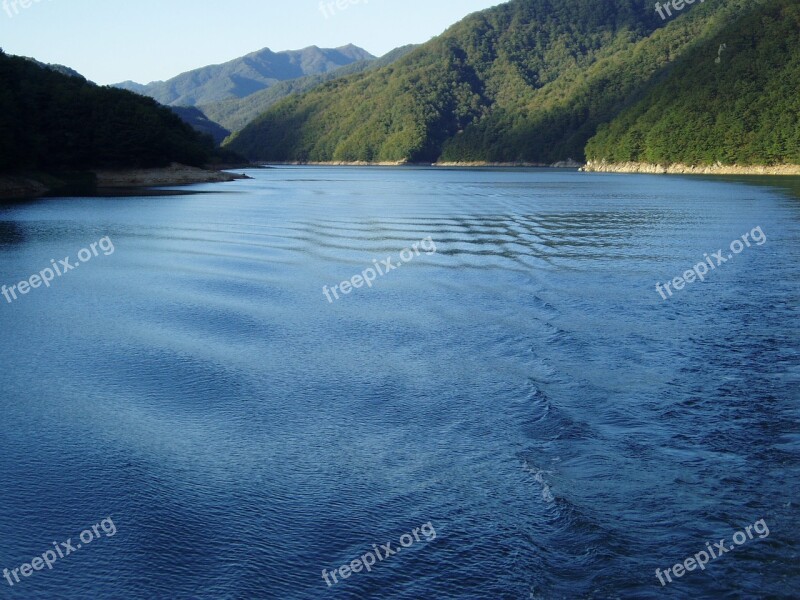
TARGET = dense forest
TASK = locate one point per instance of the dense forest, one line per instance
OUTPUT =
(734, 99)
(51, 121)
(527, 81)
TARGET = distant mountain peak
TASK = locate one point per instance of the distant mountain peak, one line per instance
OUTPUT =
(241, 77)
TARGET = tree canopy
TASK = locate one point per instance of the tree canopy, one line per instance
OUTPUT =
(535, 80)
(55, 121)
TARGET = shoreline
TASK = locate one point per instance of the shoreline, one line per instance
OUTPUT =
(132, 181)
(569, 164)
(175, 174)
(682, 169)
(13, 187)
(341, 163)
(121, 181)
(563, 164)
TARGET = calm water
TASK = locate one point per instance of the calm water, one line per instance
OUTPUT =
(524, 389)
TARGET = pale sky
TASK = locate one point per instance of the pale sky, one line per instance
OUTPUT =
(109, 41)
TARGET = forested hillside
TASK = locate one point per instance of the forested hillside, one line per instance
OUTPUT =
(734, 99)
(52, 121)
(488, 69)
(527, 81)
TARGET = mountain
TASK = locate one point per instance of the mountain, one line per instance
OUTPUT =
(57, 68)
(526, 81)
(491, 72)
(200, 122)
(132, 86)
(234, 115)
(246, 75)
(52, 121)
(732, 99)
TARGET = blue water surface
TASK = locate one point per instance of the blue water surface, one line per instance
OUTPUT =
(524, 389)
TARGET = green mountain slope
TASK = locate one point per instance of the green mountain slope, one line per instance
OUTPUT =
(234, 115)
(200, 122)
(527, 81)
(247, 75)
(733, 99)
(491, 65)
(51, 121)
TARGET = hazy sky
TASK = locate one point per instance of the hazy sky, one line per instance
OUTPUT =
(144, 40)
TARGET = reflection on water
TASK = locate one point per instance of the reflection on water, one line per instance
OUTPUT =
(10, 233)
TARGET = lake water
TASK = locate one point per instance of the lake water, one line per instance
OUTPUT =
(523, 391)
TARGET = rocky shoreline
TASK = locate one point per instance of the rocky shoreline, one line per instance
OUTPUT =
(341, 163)
(567, 164)
(175, 174)
(119, 180)
(681, 169)
(564, 164)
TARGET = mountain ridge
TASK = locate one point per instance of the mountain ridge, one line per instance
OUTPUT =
(490, 63)
(245, 75)
(235, 114)
(529, 81)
